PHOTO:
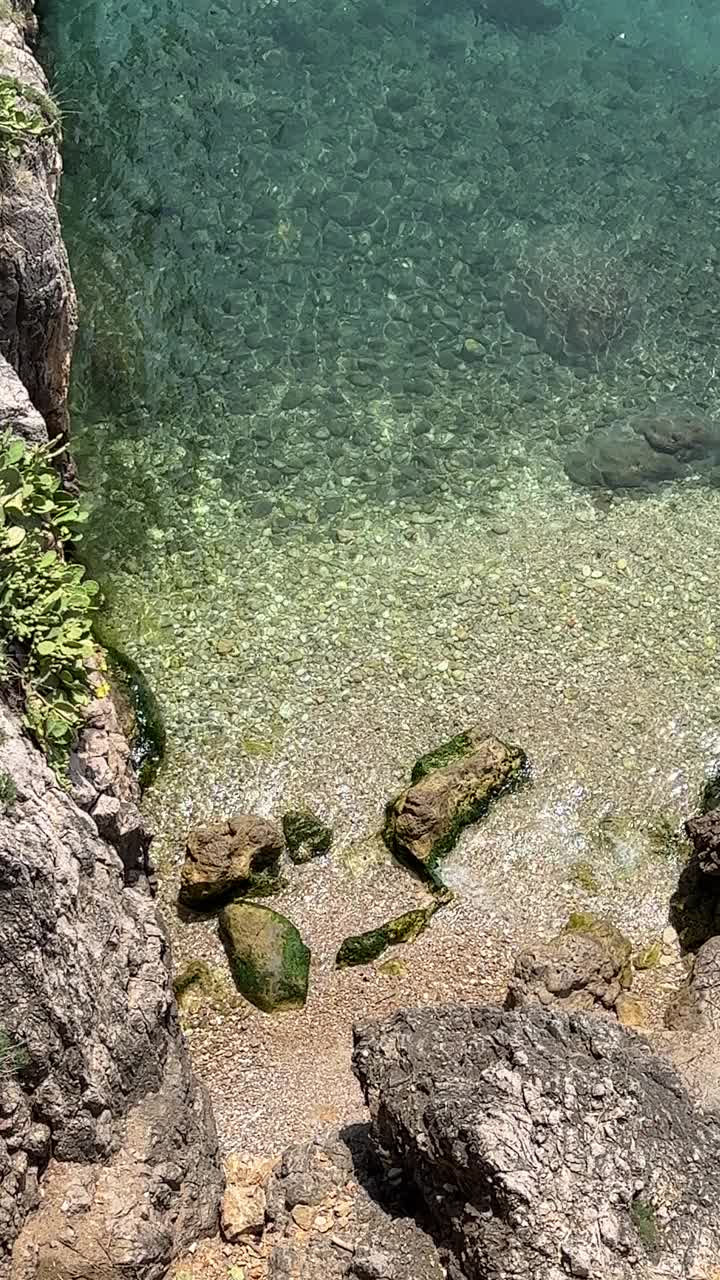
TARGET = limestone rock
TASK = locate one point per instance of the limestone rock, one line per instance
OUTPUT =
(38, 309)
(226, 857)
(544, 1145)
(697, 1007)
(587, 964)
(704, 835)
(306, 835)
(450, 787)
(101, 1107)
(268, 959)
(335, 1217)
(243, 1212)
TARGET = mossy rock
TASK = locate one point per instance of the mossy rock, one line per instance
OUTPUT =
(306, 835)
(612, 940)
(649, 956)
(200, 984)
(268, 959)
(361, 948)
(239, 855)
(451, 787)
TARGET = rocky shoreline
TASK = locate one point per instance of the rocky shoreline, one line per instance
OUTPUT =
(542, 1140)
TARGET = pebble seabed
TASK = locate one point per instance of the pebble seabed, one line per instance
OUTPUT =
(327, 474)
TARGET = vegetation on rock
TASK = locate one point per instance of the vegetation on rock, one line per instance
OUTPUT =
(306, 835)
(451, 787)
(268, 959)
(19, 123)
(47, 605)
(145, 727)
(361, 948)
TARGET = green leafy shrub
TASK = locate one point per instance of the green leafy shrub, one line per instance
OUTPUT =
(13, 1057)
(18, 122)
(46, 604)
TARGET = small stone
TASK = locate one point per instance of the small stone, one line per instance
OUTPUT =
(242, 1212)
(669, 936)
(630, 1011)
(224, 647)
(304, 1216)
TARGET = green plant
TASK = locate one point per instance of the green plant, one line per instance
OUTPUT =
(46, 604)
(8, 791)
(13, 1057)
(583, 875)
(643, 1215)
(18, 122)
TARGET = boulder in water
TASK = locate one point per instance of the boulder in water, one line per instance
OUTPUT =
(268, 959)
(230, 856)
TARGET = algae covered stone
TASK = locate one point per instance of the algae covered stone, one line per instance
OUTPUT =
(235, 855)
(306, 835)
(268, 959)
(361, 948)
(450, 787)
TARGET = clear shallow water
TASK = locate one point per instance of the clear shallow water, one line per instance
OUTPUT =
(358, 283)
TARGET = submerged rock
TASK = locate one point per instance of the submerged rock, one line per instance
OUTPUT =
(647, 449)
(306, 835)
(268, 959)
(543, 1145)
(450, 787)
(236, 855)
(587, 964)
(361, 948)
(522, 15)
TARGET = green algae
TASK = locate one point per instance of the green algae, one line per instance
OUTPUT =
(361, 948)
(269, 961)
(306, 835)
(454, 749)
(147, 734)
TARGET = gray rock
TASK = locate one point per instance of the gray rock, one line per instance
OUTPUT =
(19, 414)
(101, 1085)
(544, 1145)
(697, 1007)
(585, 965)
(704, 835)
(357, 1228)
(646, 450)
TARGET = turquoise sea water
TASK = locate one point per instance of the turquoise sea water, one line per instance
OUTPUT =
(397, 406)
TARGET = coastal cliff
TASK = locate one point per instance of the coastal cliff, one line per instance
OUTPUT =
(109, 1160)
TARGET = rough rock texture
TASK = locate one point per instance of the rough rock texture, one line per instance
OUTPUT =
(450, 787)
(586, 965)
(268, 959)
(18, 412)
(704, 835)
(225, 857)
(334, 1217)
(242, 1213)
(697, 1007)
(103, 783)
(544, 1145)
(102, 1111)
(38, 312)
(645, 450)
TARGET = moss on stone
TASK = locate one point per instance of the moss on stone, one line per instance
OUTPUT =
(583, 875)
(649, 956)
(306, 835)
(269, 961)
(148, 738)
(361, 948)
(644, 1217)
(452, 787)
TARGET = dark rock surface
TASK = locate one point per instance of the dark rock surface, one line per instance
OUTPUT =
(586, 965)
(671, 442)
(227, 857)
(704, 835)
(100, 1105)
(544, 1145)
(334, 1217)
(306, 835)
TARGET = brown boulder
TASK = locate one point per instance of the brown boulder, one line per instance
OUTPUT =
(450, 787)
(588, 964)
(228, 857)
